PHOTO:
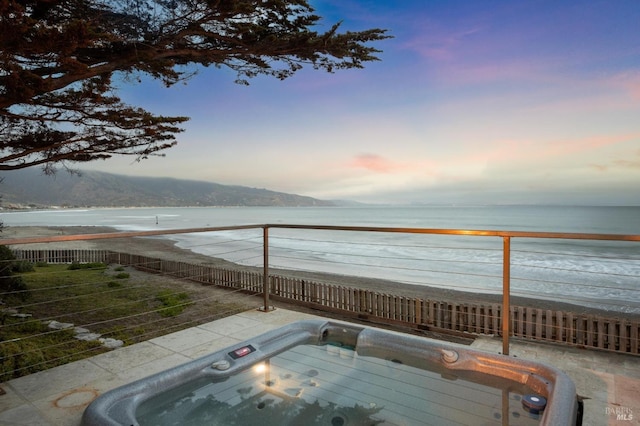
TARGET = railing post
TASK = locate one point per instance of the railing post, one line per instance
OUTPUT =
(265, 268)
(506, 293)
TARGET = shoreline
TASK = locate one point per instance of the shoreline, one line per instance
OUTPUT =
(162, 247)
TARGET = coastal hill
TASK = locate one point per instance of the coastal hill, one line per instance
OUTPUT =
(31, 188)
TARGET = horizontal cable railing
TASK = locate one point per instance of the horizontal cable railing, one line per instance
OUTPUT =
(439, 280)
(73, 308)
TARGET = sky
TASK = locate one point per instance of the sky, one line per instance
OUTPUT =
(472, 102)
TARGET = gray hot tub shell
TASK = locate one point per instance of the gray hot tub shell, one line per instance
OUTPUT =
(119, 406)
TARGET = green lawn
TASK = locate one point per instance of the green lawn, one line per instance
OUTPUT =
(105, 300)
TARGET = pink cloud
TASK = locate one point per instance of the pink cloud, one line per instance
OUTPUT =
(512, 150)
(378, 164)
(626, 163)
(613, 92)
(632, 163)
(477, 53)
(439, 47)
(629, 82)
(374, 163)
(516, 153)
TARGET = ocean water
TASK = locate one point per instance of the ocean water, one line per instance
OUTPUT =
(604, 274)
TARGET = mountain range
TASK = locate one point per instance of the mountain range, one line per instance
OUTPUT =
(30, 188)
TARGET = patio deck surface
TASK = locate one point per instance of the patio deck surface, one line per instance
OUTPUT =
(610, 383)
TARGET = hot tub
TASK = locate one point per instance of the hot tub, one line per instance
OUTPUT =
(329, 373)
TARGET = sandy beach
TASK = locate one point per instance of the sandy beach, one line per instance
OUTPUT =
(165, 249)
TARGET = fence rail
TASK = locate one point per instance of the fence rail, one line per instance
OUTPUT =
(583, 330)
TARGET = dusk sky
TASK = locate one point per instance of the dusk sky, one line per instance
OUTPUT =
(490, 102)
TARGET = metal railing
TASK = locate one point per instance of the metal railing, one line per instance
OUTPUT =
(506, 237)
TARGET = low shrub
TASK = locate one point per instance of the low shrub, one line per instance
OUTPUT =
(174, 303)
(91, 265)
(9, 282)
(21, 266)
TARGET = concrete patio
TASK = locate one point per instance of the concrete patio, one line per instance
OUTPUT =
(610, 383)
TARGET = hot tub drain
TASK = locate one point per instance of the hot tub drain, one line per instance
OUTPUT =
(337, 421)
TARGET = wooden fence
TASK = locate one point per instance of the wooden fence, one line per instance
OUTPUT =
(583, 330)
(62, 255)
